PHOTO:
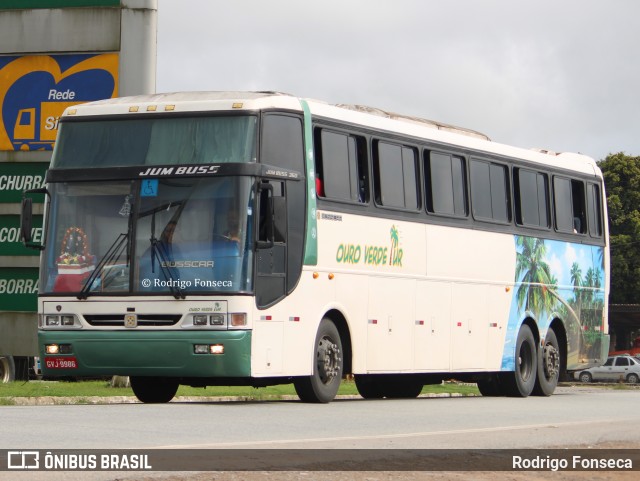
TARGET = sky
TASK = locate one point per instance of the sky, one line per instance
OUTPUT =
(562, 75)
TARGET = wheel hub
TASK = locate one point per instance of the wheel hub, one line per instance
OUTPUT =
(328, 360)
(551, 361)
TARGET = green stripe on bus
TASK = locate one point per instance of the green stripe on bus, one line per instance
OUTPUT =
(311, 239)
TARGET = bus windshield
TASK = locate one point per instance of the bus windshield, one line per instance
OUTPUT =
(155, 141)
(161, 236)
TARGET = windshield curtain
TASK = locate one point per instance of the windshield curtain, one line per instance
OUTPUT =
(172, 237)
(155, 141)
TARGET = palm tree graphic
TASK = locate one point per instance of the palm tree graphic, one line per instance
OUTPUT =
(537, 291)
(395, 239)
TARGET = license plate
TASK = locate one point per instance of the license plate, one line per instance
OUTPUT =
(61, 362)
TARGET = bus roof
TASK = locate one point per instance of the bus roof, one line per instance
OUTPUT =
(368, 117)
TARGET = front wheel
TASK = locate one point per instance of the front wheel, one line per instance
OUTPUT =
(322, 386)
(632, 378)
(521, 382)
(154, 390)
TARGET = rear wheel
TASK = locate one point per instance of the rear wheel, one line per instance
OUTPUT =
(322, 386)
(389, 386)
(368, 388)
(401, 387)
(548, 366)
(154, 390)
(521, 382)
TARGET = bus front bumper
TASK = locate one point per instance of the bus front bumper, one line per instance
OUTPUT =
(151, 353)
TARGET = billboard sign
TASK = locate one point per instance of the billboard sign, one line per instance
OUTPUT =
(35, 90)
(10, 243)
(19, 288)
(16, 177)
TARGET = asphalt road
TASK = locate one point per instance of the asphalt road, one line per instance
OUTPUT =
(572, 417)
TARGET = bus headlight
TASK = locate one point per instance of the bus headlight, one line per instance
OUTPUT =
(57, 349)
(200, 319)
(59, 321)
(216, 321)
(203, 321)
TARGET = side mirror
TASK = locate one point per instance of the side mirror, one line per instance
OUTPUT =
(26, 218)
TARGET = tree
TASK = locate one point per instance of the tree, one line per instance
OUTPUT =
(622, 183)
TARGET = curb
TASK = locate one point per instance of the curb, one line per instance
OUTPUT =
(95, 400)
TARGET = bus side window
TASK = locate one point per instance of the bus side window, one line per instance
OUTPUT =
(396, 175)
(569, 205)
(594, 209)
(489, 191)
(579, 208)
(531, 191)
(341, 166)
(445, 184)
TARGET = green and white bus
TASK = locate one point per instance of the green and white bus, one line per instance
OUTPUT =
(256, 238)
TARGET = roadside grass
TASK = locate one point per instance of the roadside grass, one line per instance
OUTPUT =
(87, 389)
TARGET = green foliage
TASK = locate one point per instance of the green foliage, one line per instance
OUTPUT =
(622, 182)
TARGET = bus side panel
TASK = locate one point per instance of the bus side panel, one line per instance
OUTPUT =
(469, 327)
(432, 330)
(479, 268)
(390, 323)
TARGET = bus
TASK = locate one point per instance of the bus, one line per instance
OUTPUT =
(257, 238)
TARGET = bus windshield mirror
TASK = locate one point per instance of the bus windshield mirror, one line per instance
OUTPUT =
(114, 252)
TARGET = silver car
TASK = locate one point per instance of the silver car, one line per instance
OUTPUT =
(617, 368)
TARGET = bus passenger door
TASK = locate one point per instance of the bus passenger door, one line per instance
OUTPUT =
(271, 251)
(281, 207)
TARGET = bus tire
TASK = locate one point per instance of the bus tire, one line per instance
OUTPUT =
(322, 386)
(7, 369)
(402, 387)
(154, 390)
(548, 366)
(368, 387)
(520, 383)
(490, 387)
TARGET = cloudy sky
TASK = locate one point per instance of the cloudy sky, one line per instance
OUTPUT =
(561, 75)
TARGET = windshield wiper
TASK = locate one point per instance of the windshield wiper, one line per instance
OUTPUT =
(157, 250)
(114, 251)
